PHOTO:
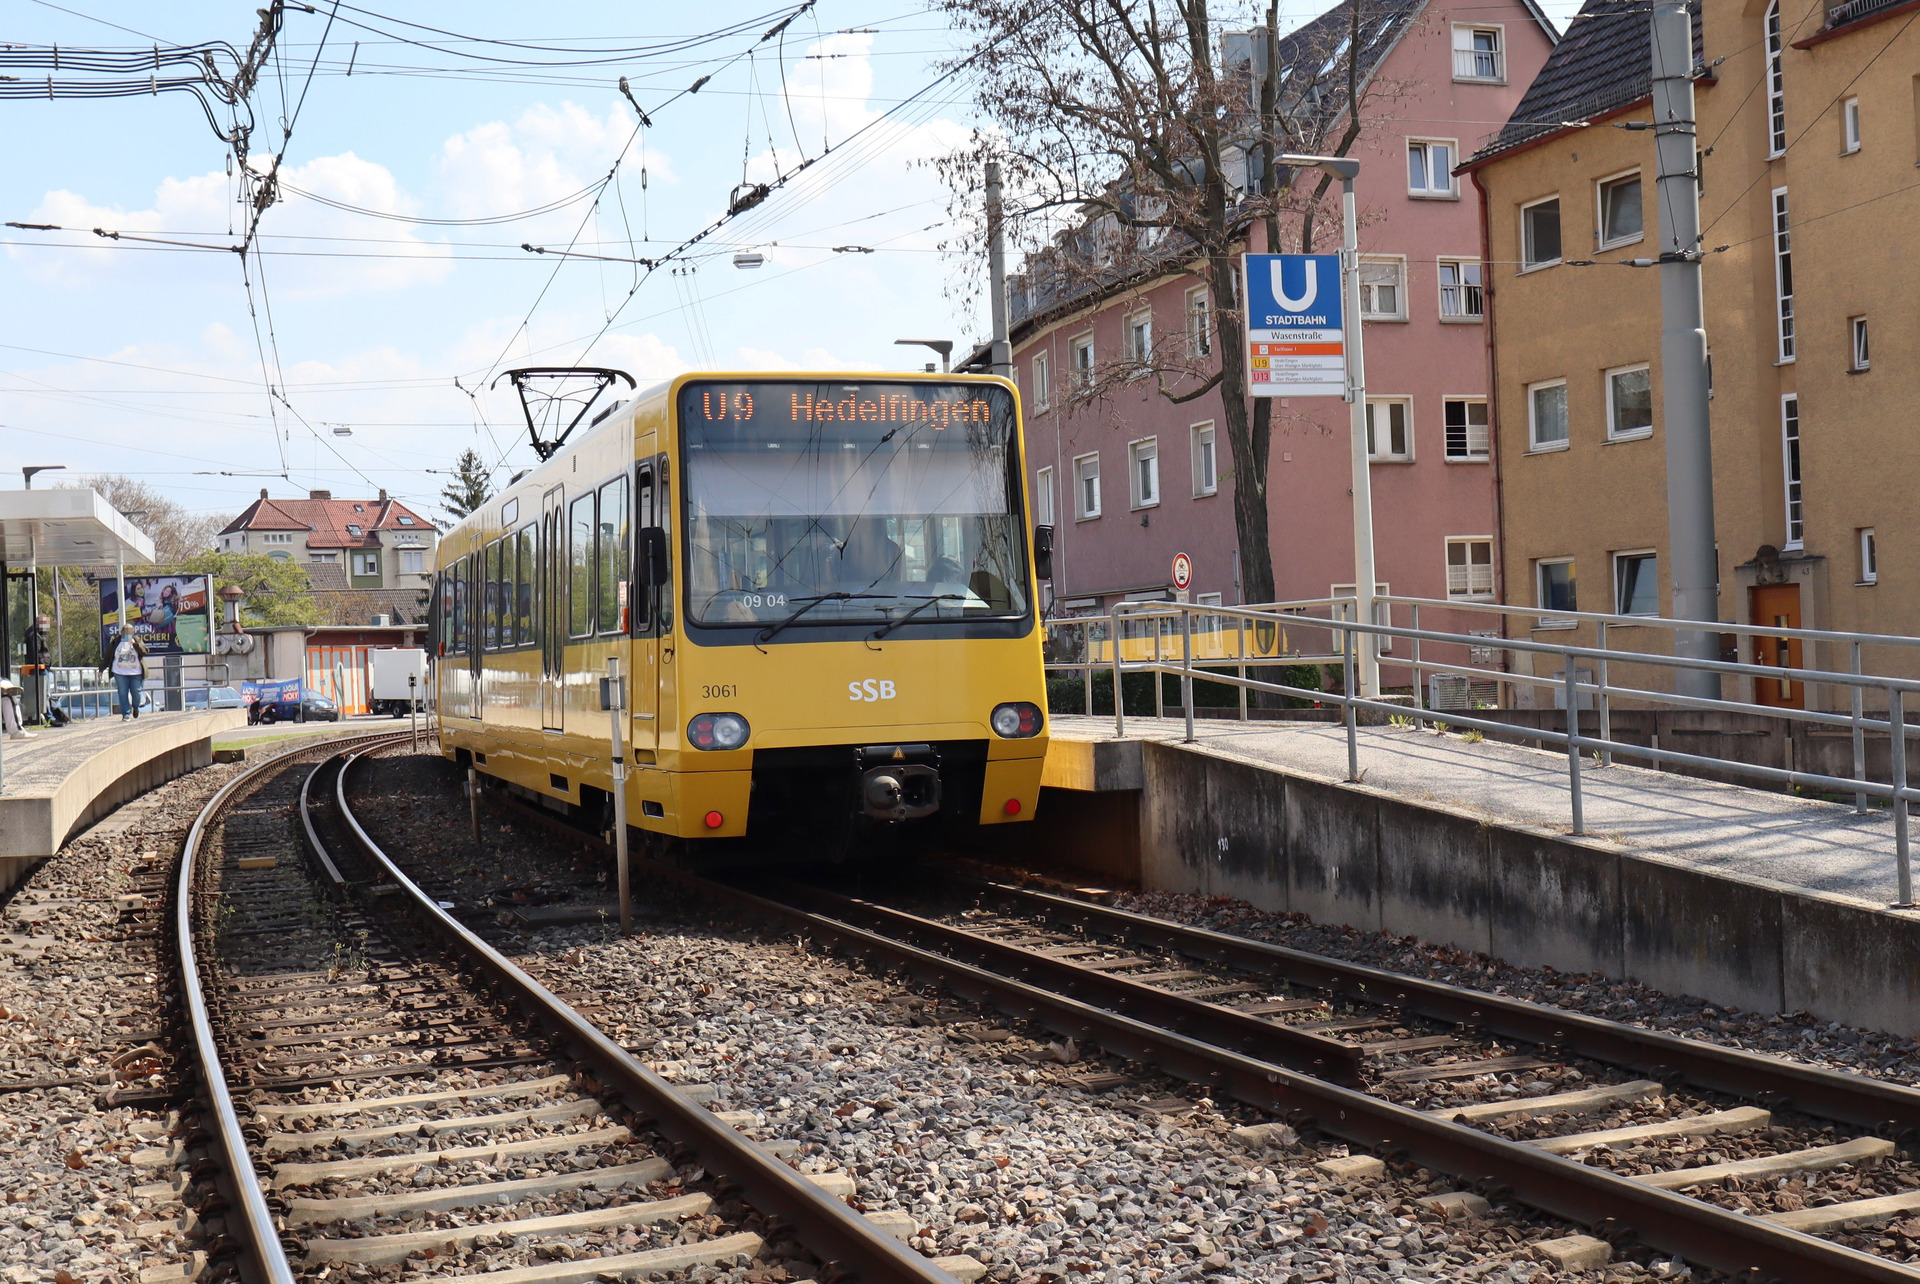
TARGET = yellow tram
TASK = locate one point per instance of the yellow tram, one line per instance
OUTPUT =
(823, 590)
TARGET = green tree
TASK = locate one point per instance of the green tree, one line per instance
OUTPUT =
(277, 592)
(471, 486)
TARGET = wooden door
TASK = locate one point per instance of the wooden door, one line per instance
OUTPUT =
(1777, 606)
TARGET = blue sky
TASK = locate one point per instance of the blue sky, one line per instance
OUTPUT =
(123, 356)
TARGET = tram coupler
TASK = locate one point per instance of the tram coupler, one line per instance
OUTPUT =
(899, 782)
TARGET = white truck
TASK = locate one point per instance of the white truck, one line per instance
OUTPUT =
(388, 672)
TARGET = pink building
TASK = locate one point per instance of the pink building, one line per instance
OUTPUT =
(1130, 478)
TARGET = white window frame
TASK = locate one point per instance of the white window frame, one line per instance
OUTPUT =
(1776, 83)
(1375, 437)
(1471, 63)
(1600, 186)
(1790, 471)
(1471, 456)
(1082, 511)
(1869, 556)
(1206, 464)
(1384, 645)
(1137, 335)
(1082, 372)
(1450, 192)
(413, 561)
(1473, 292)
(1540, 565)
(1849, 126)
(1398, 264)
(1143, 450)
(1631, 434)
(1469, 593)
(360, 557)
(1043, 496)
(1858, 344)
(1042, 381)
(1534, 444)
(1783, 271)
(1619, 607)
(1532, 265)
(1199, 316)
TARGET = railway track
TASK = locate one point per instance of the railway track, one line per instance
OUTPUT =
(379, 1085)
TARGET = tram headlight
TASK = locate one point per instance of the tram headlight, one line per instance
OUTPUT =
(718, 731)
(1015, 721)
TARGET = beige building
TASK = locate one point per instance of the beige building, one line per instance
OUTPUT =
(1810, 121)
(372, 543)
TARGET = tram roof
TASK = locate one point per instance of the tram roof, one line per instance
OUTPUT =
(68, 526)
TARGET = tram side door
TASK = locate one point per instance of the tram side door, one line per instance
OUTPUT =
(552, 607)
(644, 687)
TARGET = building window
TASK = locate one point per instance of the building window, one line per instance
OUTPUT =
(1139, 334)
(1478, 54)
(1383, 289)
(413, 562)
(1389, 428)
(1553, 589)
(1466, 421)
(1547, 415)
(1636, 584)
(366, 563)
(1869, 557)
(1143, 472)
(1470, 569)
(1850, 127)
(323, 557)
(1783, 268)
(1790, 448)
(1540, 233)
(1086, 487)
(1460, 295)
(405, 520)
(1199, 323)
(1776, 86)
(1629, 402)
(1042, 382)
(1043, 497)
(1620, 220)
(1206, 463)
(1430, 167)
(280, 555)
(1858, 325)
(1083, 362)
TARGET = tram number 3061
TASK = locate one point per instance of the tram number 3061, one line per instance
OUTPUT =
(871, 689)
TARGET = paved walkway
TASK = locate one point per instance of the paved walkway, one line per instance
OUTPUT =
(38, 765)
(1748, 832)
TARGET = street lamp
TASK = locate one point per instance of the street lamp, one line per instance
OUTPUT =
(31, 469)
(1346, 170)
(942, 346)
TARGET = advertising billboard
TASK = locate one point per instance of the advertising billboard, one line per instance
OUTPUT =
(171, 614)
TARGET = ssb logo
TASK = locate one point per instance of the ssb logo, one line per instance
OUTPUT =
(871, 689)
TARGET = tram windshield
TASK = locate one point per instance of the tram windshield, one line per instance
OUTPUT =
(885, 504)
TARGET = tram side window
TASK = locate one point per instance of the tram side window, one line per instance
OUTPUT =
(446, 632)
(490, 572)
(509, 590)
(580, 566)
(461, 613)
(638, 595)
(523, 588)
(614, 557)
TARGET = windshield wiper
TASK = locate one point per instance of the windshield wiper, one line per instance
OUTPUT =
(767, 634)
(891, 625)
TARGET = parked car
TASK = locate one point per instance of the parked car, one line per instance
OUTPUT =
(311, 706)
(95, 704)
(212, 698)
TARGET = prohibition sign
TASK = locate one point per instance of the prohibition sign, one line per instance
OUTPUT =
(1182, 570)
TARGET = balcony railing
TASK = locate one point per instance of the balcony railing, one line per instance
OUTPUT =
(1484, 64)
(1841, 14)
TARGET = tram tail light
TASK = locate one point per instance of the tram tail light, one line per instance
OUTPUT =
(1016, 721)
(1013, 807)
(715, 820)
(718, 731)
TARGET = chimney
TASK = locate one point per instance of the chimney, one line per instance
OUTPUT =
(383, 496)
(319, 494)
(263, 492)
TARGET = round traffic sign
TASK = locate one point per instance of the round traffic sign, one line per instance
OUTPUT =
(1182, 570)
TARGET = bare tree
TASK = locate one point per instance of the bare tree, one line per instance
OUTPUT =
(178, 532)
(1145, 141)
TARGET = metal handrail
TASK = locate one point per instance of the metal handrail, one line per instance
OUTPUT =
(1353, 635)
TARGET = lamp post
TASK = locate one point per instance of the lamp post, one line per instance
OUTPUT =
(942, 346)
(33, 554)
(1364, 580)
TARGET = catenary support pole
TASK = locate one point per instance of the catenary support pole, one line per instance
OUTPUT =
(1364, 579)
(1693, 561)
(473, 801)
(1002, 351)
(1897, 728)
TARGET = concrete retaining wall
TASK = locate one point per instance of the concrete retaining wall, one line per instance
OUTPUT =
(1349, 854)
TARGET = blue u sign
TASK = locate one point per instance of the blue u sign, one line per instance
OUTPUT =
(1293, 291)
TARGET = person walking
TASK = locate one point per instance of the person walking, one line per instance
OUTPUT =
(128, 660)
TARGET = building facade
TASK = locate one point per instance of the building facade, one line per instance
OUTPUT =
(1129, 478)
(375, 543)
(1807, 196)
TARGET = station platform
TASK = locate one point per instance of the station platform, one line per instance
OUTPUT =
(63, 779)
(1759, 900)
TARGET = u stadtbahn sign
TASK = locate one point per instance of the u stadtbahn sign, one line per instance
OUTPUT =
(1296, 342)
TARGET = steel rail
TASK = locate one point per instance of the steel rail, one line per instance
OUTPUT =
(840, 1237)
(1617, 1208)
(1875, 1104)
(1314, 1054)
